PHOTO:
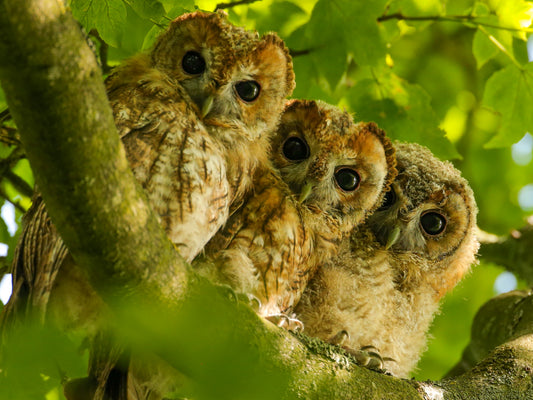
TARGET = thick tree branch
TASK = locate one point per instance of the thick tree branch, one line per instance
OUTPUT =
(506, 319)
(54, 89)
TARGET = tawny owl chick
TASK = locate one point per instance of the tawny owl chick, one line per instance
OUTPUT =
(383, 288)
(195, 115)
(329, 174)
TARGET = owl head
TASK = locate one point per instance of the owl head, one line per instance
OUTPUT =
(330, 163)
(237, 79)
(428, 215)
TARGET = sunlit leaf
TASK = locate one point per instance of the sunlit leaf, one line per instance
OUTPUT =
(513, 14)
(106, 16)
(147, 8)
(402, 109)
(510, 93)
(339, 27)
(486, 42)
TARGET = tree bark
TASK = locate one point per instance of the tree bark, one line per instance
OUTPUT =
(513, 252)
(54, 90)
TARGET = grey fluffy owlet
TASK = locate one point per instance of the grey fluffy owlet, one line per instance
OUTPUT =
(384, 287)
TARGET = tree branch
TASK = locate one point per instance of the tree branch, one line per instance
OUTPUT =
(54, 89)
(513, 252)
(506, 319)
(449, 18)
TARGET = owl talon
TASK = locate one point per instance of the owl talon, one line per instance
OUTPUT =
(340, 338)
(286, 322)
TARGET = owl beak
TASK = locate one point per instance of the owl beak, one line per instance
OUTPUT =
(394, 235)
(306, 191)
(207, 106)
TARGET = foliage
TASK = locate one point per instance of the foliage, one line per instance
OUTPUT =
(452, 75)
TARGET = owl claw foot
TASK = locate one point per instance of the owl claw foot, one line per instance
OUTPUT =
(239, 297)
(286, 322)
(366, 356)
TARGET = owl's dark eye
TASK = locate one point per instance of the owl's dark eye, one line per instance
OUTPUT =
(388, 200)
(347, 178)
(433, 223)
(248, 90)
(295, 149)
(193, 63)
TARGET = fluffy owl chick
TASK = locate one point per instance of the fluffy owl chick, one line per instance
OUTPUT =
(329, 174)
(195, 115)
(383, 288)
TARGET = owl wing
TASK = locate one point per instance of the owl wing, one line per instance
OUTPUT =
(266, 247)
(179, 165)
(39, 254)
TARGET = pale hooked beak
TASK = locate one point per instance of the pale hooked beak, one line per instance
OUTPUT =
(306, 191)
(394, 235)
(207, 106)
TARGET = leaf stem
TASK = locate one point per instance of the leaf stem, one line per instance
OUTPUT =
(500, 47)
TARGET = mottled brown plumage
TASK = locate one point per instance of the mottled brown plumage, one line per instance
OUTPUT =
(329, 173)
(195, 115)
(193, 134)
(384, 287)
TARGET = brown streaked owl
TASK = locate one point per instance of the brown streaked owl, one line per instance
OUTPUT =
(195, 115)
(328, 174)
(383, 288)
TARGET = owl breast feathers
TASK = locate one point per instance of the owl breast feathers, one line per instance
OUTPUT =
(384, 286)
(328, 173)
(195, 116)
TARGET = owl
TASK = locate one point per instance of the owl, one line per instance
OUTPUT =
(383, 288)
(327, 174)
(195, 115)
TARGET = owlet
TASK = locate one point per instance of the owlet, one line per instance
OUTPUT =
(383, 288)
(328, 174)
(195, 115)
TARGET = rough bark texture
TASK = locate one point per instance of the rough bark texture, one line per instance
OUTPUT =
(55, 92)
(514, 253)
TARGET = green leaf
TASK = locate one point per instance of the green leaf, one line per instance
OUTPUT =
(509, 92)
(484, 48)
(184, 4)
(283, 18)
(147, 8)
(416, 7)
(514, 14)
(106, 16)
(403, 110)
(339, 27)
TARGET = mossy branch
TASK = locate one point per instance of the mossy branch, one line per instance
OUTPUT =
(54, 89)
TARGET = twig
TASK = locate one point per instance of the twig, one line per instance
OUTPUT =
(296, 53)
(450, 18)
(15, 203)
(5, 115)
(20, 184)
(222, 6)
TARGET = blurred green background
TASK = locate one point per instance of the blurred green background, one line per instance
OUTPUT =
(452, 75)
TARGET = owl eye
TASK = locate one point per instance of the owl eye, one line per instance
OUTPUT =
(193, 63)
(388, 200)
(295, 149)
(433, 223)
(248, 90)
(347, 178)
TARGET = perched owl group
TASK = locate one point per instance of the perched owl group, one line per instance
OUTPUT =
(320, 218)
